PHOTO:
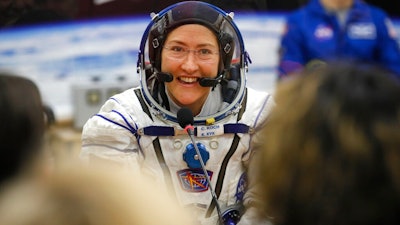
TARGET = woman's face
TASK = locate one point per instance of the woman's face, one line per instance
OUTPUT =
(190, 52)
(337, 4)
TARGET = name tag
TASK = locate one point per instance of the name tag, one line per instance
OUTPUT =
(362, 31)
(208, 131)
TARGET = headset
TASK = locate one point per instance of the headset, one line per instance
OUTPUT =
(233, 64)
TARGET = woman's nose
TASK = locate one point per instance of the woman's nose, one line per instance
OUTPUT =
(189, 63)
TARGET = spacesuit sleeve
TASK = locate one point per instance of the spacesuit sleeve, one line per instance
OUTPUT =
(251, 198)
(291, 56)
(109, 137)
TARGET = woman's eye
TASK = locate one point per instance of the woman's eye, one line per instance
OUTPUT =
(205, 51)
(177, 49)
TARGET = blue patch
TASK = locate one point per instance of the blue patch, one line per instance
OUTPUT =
(241, 187)
(194, 180)
(192, 159)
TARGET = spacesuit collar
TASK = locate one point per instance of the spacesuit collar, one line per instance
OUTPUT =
(210, 107)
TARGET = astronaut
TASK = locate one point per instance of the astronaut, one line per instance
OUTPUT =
(191, 55)
(338, 30)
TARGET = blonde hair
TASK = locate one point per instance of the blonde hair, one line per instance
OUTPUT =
(79, 195)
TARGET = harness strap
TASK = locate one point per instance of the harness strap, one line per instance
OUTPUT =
(157, 147)
(199, 131)
(142, 103)
(221, 175)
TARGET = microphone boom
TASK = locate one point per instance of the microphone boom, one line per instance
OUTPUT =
(232, 214)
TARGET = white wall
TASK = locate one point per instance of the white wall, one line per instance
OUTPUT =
(57, 57)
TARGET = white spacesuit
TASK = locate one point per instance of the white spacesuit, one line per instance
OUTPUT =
(139, 128)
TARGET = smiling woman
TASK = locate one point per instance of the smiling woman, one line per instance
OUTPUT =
(197, 81)
(187, 69)
(191, 57)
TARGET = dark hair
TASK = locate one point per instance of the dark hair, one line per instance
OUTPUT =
(192, 12)
(23, 122)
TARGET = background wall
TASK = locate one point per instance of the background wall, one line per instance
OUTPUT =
(96, 8)
(65, 58)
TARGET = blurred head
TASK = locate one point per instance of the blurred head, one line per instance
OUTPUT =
(23, 122)
(331, 153)
(4, 4)
(79, 195)
(337, 4)
(188, 49)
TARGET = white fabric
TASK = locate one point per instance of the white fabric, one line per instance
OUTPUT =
(103, 139)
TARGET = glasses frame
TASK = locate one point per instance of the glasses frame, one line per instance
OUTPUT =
(173, 54)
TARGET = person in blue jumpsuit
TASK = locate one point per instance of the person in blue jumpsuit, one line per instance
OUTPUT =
(338, 30)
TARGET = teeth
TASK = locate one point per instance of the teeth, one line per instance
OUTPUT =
(188, 79)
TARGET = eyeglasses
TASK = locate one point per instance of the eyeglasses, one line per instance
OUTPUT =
(179, 53)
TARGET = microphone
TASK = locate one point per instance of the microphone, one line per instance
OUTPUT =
(185, 119)
(209, 82)
(164, 77)
(232, 214)
(204, 82)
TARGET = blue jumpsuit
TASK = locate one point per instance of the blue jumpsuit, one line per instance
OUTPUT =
(314, 35)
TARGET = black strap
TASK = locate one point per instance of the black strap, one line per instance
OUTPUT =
(221, 175)
(243, 108)
(164, 167)
(142, 103)
(157, 146)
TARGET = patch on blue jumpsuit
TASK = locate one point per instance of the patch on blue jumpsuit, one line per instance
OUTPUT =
(323, 32)
(194, 180)
(241, 187)
(366, 31)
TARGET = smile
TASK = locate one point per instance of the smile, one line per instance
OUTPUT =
(188, 79)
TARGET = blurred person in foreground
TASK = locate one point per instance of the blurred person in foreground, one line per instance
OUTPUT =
(191, 57)
(23, 124)
(78, 195)
(331, 152)
(32, 191)
(331, 30)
